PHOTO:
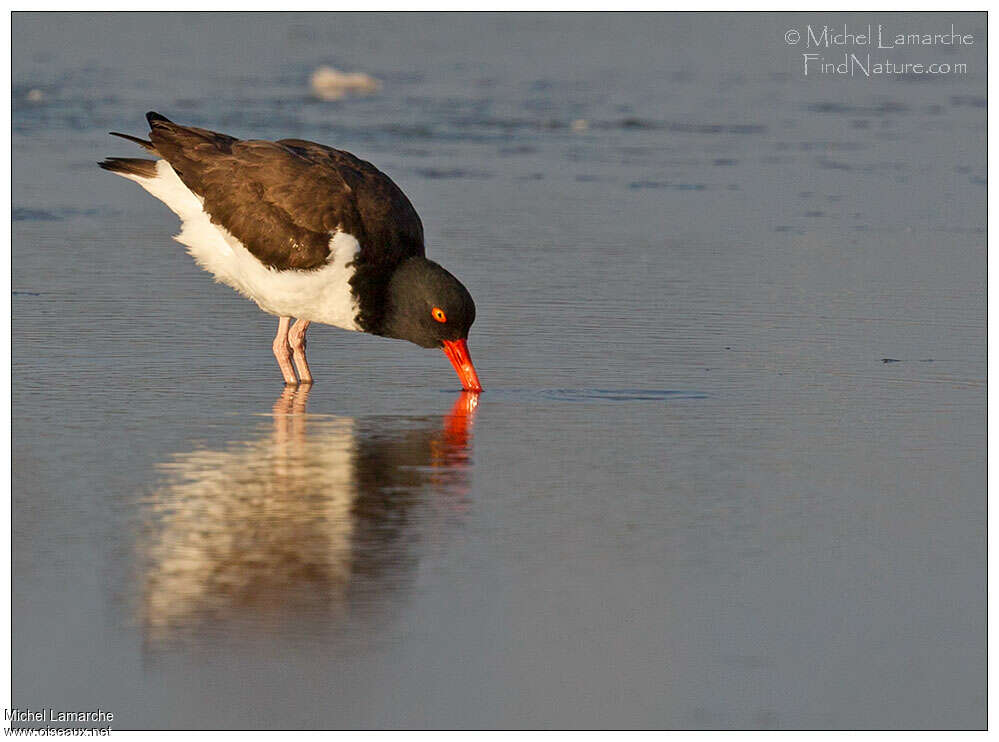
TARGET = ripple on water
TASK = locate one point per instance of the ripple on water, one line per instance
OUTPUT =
(597, 395)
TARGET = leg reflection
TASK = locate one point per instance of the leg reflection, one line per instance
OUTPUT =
(292, 525)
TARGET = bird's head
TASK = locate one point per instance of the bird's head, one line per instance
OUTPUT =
(430, 307)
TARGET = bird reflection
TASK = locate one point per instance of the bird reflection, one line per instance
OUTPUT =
(312, 519)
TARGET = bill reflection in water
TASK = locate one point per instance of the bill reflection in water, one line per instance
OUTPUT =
(316, 516)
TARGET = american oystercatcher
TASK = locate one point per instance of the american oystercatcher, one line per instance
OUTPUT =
(307, 232)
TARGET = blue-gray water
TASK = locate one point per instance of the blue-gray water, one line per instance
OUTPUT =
(729, 467)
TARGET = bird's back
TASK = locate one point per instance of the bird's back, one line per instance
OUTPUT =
(284, 200)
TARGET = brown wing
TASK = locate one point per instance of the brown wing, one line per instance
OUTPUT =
(390, 226)
(283, 200)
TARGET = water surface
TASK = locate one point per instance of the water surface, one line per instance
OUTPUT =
(694, 494)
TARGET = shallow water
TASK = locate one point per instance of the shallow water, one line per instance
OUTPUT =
(729, 467)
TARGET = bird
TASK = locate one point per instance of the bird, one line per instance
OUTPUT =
(328, 83)
(309, 233)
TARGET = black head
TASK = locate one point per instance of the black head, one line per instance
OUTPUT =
(427, 305)
(430, 307)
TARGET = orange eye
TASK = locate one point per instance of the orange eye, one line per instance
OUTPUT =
(439, 314)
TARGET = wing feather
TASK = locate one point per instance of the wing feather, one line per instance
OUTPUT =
(283, 200)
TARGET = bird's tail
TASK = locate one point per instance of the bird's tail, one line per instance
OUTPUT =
(130, 167)
(144, 143)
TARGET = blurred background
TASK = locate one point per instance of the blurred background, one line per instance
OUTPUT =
(729, 467)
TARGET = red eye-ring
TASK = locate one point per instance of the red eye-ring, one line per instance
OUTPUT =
(438, 314)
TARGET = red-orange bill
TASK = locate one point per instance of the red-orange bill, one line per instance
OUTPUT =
(457, 352)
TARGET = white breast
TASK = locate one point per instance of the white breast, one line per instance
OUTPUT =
(320, 295)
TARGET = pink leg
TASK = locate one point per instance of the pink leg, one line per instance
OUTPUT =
(297, 340)
(282, 351)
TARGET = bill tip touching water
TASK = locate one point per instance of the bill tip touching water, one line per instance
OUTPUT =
(309, 233)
